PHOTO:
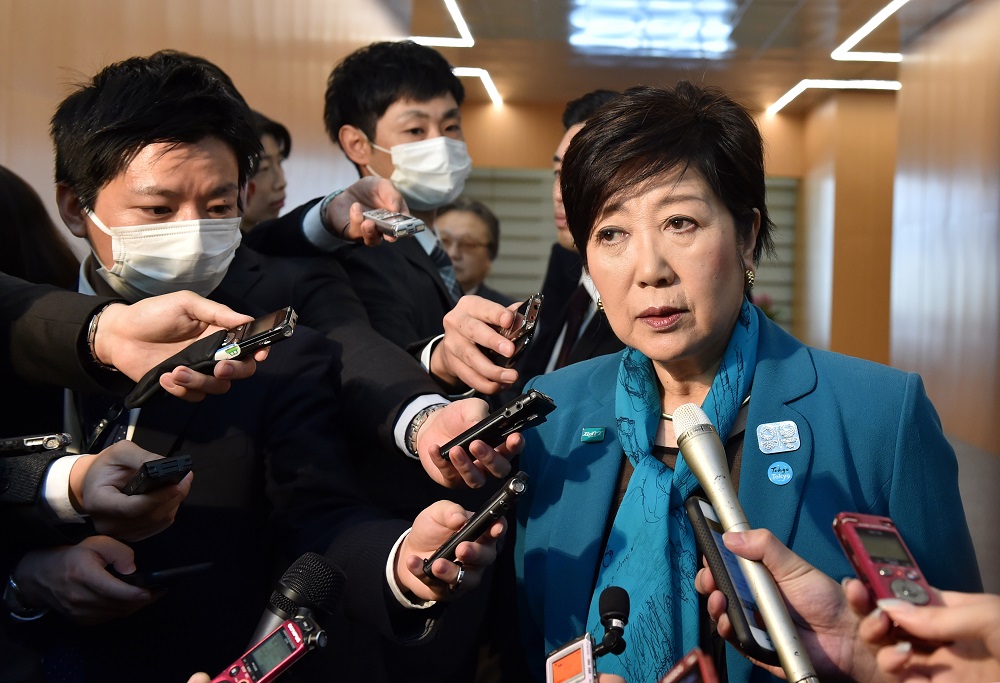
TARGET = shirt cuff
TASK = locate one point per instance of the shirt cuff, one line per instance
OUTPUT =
(407, 414)
(316, 234)
(428, 351)
(390, 577)
(55, 492)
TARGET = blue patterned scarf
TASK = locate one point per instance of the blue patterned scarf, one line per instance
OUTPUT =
(651, 550)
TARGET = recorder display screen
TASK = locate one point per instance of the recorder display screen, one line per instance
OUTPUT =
(269, 654)
(568, 667)
(884, 547)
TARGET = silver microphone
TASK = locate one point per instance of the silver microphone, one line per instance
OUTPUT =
(705, 456)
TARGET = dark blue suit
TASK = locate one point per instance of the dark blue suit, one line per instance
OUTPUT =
(870, 442)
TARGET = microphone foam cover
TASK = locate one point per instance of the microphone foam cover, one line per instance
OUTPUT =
(614, 603)
(316, 582)
(688, 416)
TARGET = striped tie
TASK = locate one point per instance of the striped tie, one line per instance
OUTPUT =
(447, 271)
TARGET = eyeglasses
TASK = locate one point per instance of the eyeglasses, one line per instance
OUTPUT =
(463, 244)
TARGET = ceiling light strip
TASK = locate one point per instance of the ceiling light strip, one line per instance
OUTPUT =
(463, 30)
(843, 51)
(807, 83)
(484, 76)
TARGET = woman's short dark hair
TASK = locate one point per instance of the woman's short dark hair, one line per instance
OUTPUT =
(168, 97)
(649, 132)
(369, 80)
(483, 212)
(267, 126)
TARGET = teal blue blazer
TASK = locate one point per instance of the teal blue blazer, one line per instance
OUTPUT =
(871, 442)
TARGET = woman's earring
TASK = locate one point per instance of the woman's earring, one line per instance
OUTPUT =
(600, 303)
(750, 278)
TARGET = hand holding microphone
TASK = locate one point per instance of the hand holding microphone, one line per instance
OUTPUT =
(705, 456)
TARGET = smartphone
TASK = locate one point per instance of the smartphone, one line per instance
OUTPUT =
(272, 656)
(741, 606)
(520, 332)
(156, 474)
(162, 579)
(393, 223)
(525, 411)
(34, 443)
(495, 508)
(572, 662)
(881, 559)
(694, 667)
(235, 344)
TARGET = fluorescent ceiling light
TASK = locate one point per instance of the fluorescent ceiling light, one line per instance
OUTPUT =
(843, 51)
(806, 83)
(658, 28)
(463, 30)
(484, 76)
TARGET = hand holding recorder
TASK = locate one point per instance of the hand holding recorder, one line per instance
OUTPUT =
(481, 341)
(344, 214)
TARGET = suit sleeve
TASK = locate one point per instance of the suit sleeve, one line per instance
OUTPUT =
(43, 337)
(924, 500)
(284, 236)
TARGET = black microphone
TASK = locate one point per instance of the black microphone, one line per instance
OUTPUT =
(614, 607)
(702, 449)
(312, 582)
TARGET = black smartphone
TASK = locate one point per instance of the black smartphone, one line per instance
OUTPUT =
(520, 331)
(162, 579)
(34, 443)
(239, 342)
(155, 474)
(495, 508)
(741, 606)
(393, 223)
(525, 411)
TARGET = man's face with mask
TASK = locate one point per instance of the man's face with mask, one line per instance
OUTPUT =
(165, 184)
(562, 230)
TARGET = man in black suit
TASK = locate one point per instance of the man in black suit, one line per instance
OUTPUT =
(165, 166)
(393, 108)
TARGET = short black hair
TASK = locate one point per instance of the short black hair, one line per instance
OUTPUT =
(580, 109)
(267, 126)
(168, 97)
(484, 213)
(649, 132)
(369, 80)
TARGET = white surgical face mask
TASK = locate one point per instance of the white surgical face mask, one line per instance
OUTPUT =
(159, 258)
(429, 173)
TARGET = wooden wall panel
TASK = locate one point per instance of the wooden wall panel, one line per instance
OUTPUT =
(946, 244)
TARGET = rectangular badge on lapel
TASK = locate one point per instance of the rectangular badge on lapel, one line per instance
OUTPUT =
(592, 434)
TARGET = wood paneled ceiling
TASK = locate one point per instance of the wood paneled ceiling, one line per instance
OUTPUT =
(525, 46)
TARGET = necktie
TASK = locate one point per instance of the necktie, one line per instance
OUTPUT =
(447, 271)
(576, 311)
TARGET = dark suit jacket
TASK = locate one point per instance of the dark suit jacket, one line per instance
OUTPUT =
(493, 295)
(398, 283)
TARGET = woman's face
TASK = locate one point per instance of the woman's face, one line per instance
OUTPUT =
(667, 264)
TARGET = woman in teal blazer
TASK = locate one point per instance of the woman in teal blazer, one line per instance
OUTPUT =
(664, 190)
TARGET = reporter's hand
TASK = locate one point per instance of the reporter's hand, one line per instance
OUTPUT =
(462, 470)
(432, 527)
(968, 622)
(344, 212)
(73, 580)
(457, 358)
(96, 483)
(200, 678)
(136, 337)
(818, 604)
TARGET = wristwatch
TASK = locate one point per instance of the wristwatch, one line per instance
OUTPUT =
(416, 423)
(14, 601)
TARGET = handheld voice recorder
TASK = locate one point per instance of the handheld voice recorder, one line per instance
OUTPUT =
(881, 559)
(520, 331)
(572, 662)
(157, 473)
(744, 614)
(526, 411)
(694, 667)
(393, 223)
(34, 443)
(272, 656)
(495, 508)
